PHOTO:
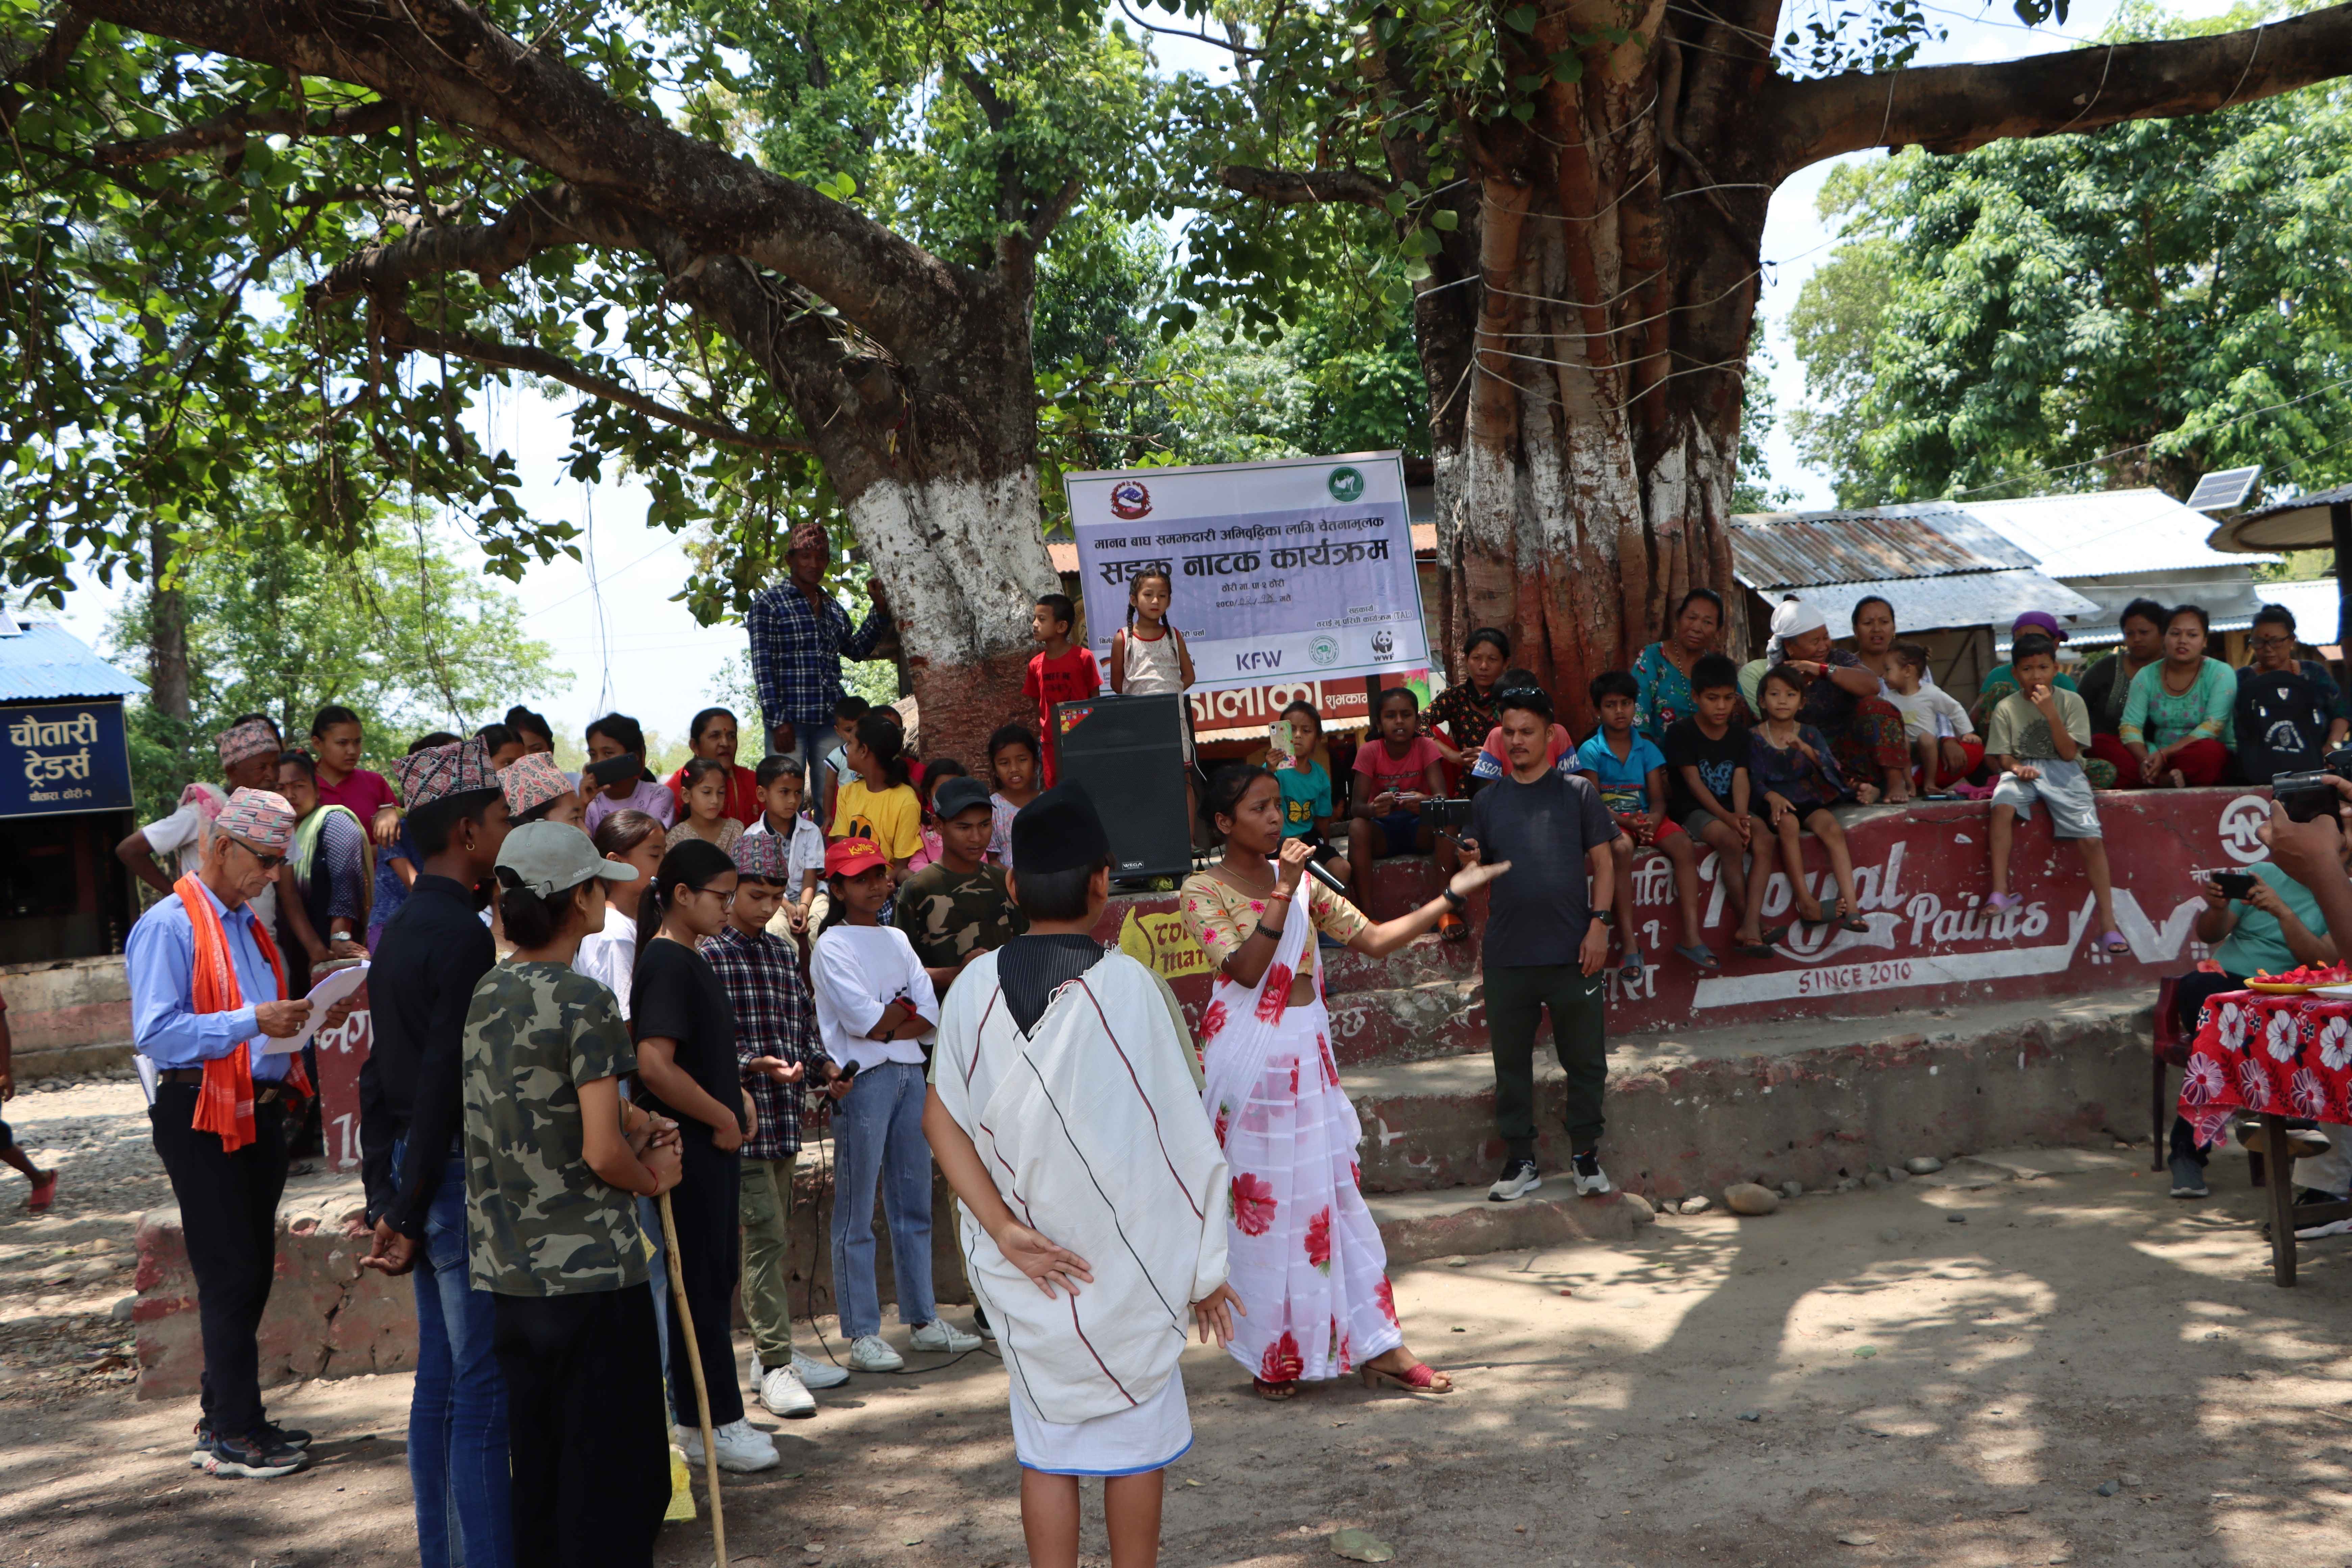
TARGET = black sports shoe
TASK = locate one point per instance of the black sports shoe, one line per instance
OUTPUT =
(203, 1443)
(2188, 1178)
(254, 1456)
(284, 1436)
(1517, 1180)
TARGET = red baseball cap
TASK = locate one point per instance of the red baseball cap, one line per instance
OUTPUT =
(853, 856)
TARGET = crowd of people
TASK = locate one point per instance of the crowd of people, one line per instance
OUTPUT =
(609, 1008)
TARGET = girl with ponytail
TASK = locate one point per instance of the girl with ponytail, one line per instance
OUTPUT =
(687, 1071)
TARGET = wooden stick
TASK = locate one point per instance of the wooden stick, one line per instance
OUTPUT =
(701, 1390)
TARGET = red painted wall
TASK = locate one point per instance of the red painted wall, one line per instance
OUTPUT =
(1921, 876)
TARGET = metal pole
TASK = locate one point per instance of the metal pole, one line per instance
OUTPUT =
(701, 1390)
(2339, 523)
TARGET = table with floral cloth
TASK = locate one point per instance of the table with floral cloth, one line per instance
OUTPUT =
(2274, 1056)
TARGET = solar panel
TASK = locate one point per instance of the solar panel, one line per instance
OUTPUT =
(2224, 490)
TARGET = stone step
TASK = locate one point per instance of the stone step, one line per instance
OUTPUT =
(1463, 1221)
(1815, 1101)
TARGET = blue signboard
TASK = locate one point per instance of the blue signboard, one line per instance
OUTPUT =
(61, 757)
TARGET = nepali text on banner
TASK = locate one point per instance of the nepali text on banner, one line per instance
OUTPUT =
(1300, 569)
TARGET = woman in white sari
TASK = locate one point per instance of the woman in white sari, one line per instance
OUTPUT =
(1303, 1255)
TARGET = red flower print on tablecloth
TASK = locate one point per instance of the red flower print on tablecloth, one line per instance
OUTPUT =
(2336, 1043)
(1330, 1068)
(2279, 1036)
(1282, 1361)
(1318, 1239)
(2253, 1085)
(1384, 1294)
(2203, 1082)
(1212, 1022)
(2231, 1026)
(2308, 1092)
(1253, 1199)
(1224, 1121)
(1273, 994)
(2207, 1126)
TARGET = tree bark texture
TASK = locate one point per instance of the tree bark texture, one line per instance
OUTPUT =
(1584, 327)
(911, 375)
(167, 636)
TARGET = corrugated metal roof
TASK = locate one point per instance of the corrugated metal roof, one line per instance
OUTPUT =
(2105, 533)
(44, 661)
(1957, 599)
(1803, 550)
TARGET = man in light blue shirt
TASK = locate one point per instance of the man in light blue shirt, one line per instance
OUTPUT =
(227, 1184)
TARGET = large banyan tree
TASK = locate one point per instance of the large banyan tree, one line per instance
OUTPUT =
(1581, 189)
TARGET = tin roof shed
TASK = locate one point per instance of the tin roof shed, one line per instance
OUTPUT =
(1940, 568)
(40, 660)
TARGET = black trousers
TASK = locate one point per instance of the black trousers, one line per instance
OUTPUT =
(707, 1206)
(586, 1436)
(229, 1214)
(1517, 995)
(2188, 998)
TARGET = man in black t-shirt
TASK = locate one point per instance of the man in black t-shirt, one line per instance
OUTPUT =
(1707, 772)
(1545, 941)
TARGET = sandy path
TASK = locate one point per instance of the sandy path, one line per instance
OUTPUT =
(1938, 1393)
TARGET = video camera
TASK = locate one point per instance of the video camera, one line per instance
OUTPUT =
(2308, 795)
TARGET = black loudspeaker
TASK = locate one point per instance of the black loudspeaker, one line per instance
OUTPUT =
(1128, 753)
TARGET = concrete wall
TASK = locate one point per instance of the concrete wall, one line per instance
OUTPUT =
(69, 1015)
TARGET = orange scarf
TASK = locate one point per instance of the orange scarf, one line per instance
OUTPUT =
(225, 1102)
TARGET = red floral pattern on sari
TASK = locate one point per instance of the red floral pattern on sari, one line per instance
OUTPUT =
(1282, 1362)
(1212, 1022)
(1386, 1297)
(1253, 1204)
(1319, 1240)
(1330, 1068)
(1273, 994)
(1224, 1121)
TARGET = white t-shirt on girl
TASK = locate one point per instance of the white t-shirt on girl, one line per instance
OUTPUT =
(857, 972)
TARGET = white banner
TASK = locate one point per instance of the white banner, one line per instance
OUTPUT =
(1300, 569)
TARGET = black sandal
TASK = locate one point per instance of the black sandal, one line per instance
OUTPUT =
(1762, 947)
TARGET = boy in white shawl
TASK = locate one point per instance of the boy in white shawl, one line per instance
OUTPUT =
(1064, 1114)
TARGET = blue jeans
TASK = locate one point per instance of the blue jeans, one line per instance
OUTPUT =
(878, 1135)
(458, 1414)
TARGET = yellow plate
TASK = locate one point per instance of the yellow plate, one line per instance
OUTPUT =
(2280, 987)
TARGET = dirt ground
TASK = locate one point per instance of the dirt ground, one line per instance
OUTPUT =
(2078, 1371)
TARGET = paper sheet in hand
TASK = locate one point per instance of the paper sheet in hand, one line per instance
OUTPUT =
(330, 989)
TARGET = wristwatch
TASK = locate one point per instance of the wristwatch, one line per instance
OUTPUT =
(1455, 900)
(1606, 917)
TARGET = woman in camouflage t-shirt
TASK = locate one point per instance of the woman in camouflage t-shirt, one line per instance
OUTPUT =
(554, 1161)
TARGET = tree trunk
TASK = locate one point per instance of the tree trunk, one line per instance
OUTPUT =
(167, 638)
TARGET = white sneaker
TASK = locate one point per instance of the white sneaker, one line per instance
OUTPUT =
(743, 1447)
(816, 1374)
(872, 1353)
(782, 1393)
(1590, 1179)
(939, 1335)
(1517, 1180)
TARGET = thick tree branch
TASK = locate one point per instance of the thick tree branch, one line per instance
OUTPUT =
(1951, 109)
(231, 131)
(454, 64)
(1293, 187)
(399, 332)
(540, 221)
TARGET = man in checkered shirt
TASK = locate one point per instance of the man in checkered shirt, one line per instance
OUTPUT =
(775, 1042)
(800, 634)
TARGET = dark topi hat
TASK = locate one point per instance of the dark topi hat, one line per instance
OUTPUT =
(1059, 831)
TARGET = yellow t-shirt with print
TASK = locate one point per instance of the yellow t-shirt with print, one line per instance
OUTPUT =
(892, 817)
